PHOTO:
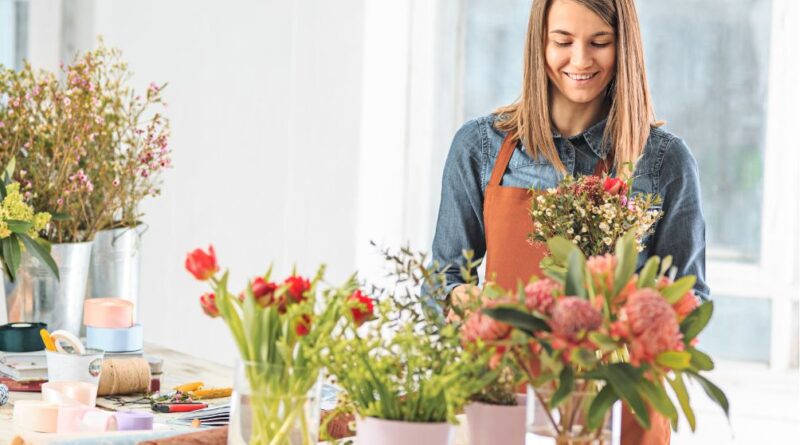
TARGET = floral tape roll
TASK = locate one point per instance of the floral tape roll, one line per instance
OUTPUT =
(59, 336)
(21, 337)
(97, 420)
(134, 421)
(70, 393)
(36, 415)
(108, 313)
(115, 339)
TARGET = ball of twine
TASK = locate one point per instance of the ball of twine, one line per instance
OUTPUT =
(3, 394)
(124, 376)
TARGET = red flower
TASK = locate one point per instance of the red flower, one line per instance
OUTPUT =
(298, 286)
(303, 325)
(615, 186)
(263, 291)
(201, 264)
(209, 304)
(361, 307)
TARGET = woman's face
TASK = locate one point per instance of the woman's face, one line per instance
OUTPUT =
(580, 52)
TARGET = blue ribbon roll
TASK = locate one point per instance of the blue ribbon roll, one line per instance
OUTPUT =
(115, 339)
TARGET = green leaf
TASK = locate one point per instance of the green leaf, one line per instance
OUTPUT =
(655, 393)
(60, 216)
(713, 392)
(565, 386)
(11, 255)
(560, 249)
(647, 277)
(523, 321)
(701, 361)
(3, 191)
(604, 342)
(575, 275)
(19, 226)
(666, 263)
(695, 322)
(683, 398)
(676, 290)
(583, 357)
(674, 359)
(12, 164)
(41, 252)
(621, 380)
(600, 406)
(626, 266)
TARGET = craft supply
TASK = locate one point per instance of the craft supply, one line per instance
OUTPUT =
(98, 420)
(47, 340)
(3, 394)
(74, 367)
(75, 345)
(155, 381)
(70, 418)
(215, 416)
(70, 393)
(26, 386)
(178, 407)
(211, 393)
(108, 313)
(186, 387)
(21, 337)
(124, 376)
(134, 420)
(115, 339)
(36, 415)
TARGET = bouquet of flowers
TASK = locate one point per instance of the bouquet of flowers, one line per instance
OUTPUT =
(592, 212)
(281, 329)
(406, 365)
(88, 149)
(599, 333)
(20, 226)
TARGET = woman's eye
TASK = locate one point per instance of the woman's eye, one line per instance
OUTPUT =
(562, 44)
(600, 44)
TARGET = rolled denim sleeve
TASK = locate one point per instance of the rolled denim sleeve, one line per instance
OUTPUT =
(682, 229)
(459, 226)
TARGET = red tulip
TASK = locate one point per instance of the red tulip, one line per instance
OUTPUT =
(303, 325)
(201, 264)
(209, 304)
(263, 291)
(615, 186)
(361, 307)
(298, 286)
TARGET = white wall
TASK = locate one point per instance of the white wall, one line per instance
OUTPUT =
(265, 99)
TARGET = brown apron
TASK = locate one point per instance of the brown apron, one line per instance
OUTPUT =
(511, 259)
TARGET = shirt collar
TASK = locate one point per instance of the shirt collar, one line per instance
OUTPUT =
(593, 137)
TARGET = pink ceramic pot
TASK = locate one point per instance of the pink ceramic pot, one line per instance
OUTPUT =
(496, 424)
(373, 431)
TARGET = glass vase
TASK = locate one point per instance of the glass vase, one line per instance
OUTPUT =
(567, 423)
(274, 405)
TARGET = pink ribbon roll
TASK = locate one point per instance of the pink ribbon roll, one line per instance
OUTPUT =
(108, 313)
(70, 418)
(70, 393)
(97, 420)
(36, 415)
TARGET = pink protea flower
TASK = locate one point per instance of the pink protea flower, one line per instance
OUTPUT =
(602, 268)
(483, 327)
(650, 324)
(539, 296)
(574, 316)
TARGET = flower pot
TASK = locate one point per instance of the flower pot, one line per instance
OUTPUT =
(373, 431)
(494, 424)
(566, 424)
(274, 405)
(37, 296)
(115, 264)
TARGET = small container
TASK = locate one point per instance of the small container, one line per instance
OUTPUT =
(156, 372)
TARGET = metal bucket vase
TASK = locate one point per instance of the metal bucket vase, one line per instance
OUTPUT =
(37, 295)
(114, 269)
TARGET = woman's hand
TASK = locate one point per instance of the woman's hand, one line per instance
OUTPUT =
(463, 297)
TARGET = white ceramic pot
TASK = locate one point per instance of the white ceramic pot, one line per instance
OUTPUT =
(496, 424)
(373, 431)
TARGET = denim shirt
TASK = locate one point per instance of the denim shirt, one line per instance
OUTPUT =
(667, 168)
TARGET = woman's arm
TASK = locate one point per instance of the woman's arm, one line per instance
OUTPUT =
(459, 226)
(682, 230)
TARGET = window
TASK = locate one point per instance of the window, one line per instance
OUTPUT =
(13, 32)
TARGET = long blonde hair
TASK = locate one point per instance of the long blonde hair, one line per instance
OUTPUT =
(631, 113)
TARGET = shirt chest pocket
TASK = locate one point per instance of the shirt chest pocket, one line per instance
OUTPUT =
(524, 171)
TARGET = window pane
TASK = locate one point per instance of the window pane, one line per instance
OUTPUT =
(707, 67)
(13, 32)
(724, 337)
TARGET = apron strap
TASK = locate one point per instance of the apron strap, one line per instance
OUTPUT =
(501, 164)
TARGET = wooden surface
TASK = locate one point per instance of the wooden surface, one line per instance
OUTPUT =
(178, 369)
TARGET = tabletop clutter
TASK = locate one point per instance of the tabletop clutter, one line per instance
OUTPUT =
(71, 374)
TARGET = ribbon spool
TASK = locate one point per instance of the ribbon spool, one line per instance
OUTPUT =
(70, 393)
(124, 376)
(36, 415)
(115, 339)
(108, 313)
(134, 421)
(21, 337)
